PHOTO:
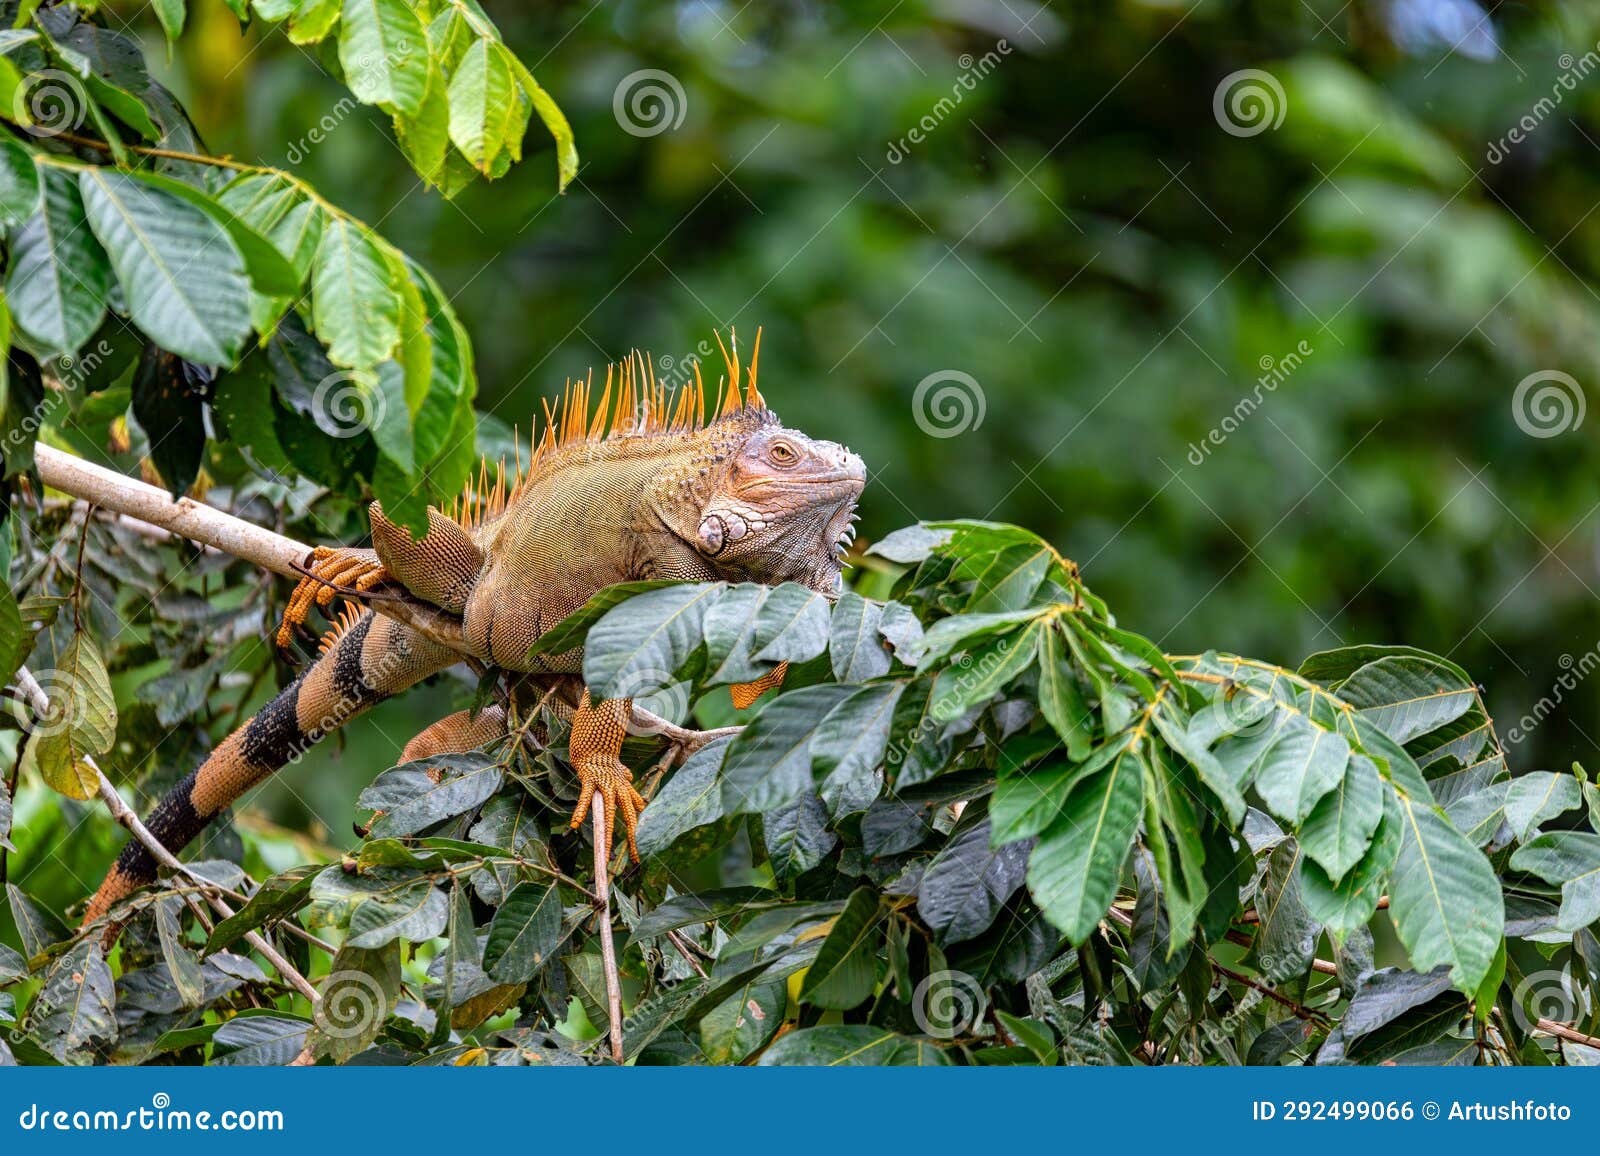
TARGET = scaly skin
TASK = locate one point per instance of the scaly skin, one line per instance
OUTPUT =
(739, 499)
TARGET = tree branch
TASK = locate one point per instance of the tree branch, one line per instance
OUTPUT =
(209, 526)
(608, 949)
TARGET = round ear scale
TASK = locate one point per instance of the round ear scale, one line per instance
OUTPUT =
(712, 536)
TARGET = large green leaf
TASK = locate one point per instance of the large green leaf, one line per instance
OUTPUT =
(1339, 828)
(1077, 862)
(19, 183)
(1350, 902)
(355, 304)
(1303, 765)
(845, 970)
(383, 49)
(1445, 900)
(181, 274)
(419, 794)
(639, 645)
(851, 1045)
(1533, 798)
(483, 104)
(691, 798)
(1570, 859)
(58, 275)
(849, 747)
(1408, 695)
(855, 649)
(525, 931)
(75, 1004)
(769, 762)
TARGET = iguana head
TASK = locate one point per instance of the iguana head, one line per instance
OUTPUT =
(773, 504)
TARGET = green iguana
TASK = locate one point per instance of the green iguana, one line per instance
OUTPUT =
(624, 492)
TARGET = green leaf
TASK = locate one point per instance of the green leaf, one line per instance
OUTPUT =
(1286, 939)
(769, 762)
(276, 897)
(1570, 859)
(171, 13)
(19, 183)
(37, 926)
(554, 121)
(849, 747)
(419, 794)
(1408, 696)
(258, 1041)
(968, 884)
(949, 634)
(58, 275)
(690, 798)
(270, 271)
(1304, 764)
(358, 993)
(743, 1022)
(1076, 864)
(845, 970)
(181, 274)
(1339, 828)
(796, 836)
(1445, 900)
(1061, 699)
(181, 963)
(855, 650)
(81, 721)
(984, 672)
(525, 931)
(791, 625)
(1533, 798)
(638, 646)
(75, 1005)
(851, 1045)
(1008, 579)
(483, 104)
(383, 50)
(1350, 902)
(355, 306)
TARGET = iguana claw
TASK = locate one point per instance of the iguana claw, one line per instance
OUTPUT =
(331, 571)
(594, 749)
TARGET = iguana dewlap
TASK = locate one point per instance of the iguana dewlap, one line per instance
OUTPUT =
(626, 492)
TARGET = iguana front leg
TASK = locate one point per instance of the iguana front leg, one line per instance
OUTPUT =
(440, 568)
(594, 748)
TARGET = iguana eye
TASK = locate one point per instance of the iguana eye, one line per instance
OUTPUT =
(783, 454)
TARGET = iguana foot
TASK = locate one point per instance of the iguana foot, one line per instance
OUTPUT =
(333, 570)
(745, 693)
(594, 749)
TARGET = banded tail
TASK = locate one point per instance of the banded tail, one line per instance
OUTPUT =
(365, 660)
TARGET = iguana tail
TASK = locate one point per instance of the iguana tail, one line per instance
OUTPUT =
(364, 660)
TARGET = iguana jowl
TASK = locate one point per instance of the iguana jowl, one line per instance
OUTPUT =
(623, 493)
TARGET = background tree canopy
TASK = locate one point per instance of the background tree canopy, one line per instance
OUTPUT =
(1277, 318)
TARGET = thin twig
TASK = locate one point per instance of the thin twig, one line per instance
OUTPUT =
(608, 949)
(683, 949)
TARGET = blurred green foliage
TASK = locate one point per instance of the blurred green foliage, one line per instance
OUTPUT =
(1082, 237)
